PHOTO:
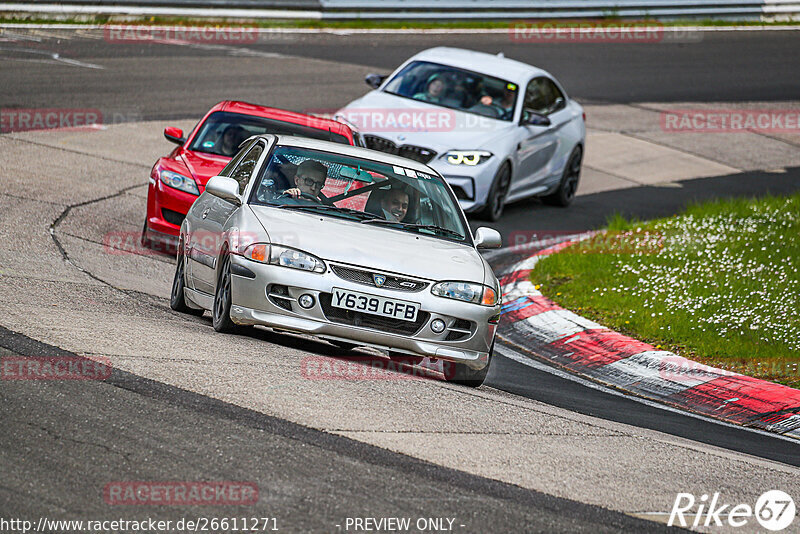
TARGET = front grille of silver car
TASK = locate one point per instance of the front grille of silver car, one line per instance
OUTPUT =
(360, 276)
(368, 320)
(417, 153)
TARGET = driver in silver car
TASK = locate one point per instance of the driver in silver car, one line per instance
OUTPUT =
(505, 105)
(309, 180)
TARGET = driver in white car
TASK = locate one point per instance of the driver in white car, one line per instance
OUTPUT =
(309, 179)
(505, 105)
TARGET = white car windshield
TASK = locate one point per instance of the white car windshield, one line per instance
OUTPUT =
(365, 191)
(455, 88)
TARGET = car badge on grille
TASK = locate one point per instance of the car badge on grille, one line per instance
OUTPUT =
(408, 284)
(379, 279)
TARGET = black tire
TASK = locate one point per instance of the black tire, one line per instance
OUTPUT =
(460, 373)
(221, 312)
(496, 199)
(144, 240)
(177, 300)
(569, 181)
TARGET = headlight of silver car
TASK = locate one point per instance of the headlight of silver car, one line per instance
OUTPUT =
(295, 259)
(179, 181)
(466, 291)
(284, 256)
(467, 157)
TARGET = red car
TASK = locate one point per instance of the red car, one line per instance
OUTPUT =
(178, 179)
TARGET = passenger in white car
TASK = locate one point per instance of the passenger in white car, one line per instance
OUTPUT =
(435, 90)
(395, 205)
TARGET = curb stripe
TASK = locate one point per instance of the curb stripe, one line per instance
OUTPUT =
(585, 347)
(598, 347)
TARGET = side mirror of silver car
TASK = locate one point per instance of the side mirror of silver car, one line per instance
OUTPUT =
(486, 237)
(375, 80)
(224, 188)
(532, 118)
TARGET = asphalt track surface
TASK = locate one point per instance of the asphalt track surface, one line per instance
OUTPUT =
(720, 67)
(62, 430)
(191, 434)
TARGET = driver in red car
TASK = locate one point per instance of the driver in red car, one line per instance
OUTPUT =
(309, 179)
(231, 139)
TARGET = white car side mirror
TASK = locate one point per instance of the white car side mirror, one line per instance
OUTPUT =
(224, 188)
(486, 237)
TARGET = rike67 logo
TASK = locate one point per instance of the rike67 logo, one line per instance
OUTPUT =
(774, 510)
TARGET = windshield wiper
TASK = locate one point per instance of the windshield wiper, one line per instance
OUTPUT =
(412, 226)
(326, 208)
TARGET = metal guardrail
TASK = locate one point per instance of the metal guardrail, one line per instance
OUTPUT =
(420, 9)
(231, 4)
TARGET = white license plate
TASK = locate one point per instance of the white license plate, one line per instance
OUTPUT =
(362, 302)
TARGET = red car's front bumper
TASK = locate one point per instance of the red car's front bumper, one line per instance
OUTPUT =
(166, 208)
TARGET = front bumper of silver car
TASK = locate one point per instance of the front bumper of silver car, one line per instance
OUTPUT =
(268, 295)
(471, 184)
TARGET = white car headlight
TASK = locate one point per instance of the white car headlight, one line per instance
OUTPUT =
(467, 157)
(179, 181)
(466, 291)
(295, 259)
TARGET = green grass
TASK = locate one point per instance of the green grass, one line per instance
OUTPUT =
(718, 284)
(345, 24)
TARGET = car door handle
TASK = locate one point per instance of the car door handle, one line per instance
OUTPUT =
(205, 212)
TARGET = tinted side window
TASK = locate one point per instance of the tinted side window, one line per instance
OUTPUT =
(233, 163)
(244, 171)
(543, 96)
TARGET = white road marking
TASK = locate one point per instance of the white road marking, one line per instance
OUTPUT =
(232, 50)
(54, 57)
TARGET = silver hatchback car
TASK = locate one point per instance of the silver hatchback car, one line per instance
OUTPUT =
(352, 245)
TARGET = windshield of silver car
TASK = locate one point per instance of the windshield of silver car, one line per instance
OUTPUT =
(364, 191)
(455, 88)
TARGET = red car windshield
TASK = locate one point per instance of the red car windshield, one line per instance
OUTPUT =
(223, 132)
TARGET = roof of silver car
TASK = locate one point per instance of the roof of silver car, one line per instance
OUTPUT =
(493, 65)
(348, 150)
